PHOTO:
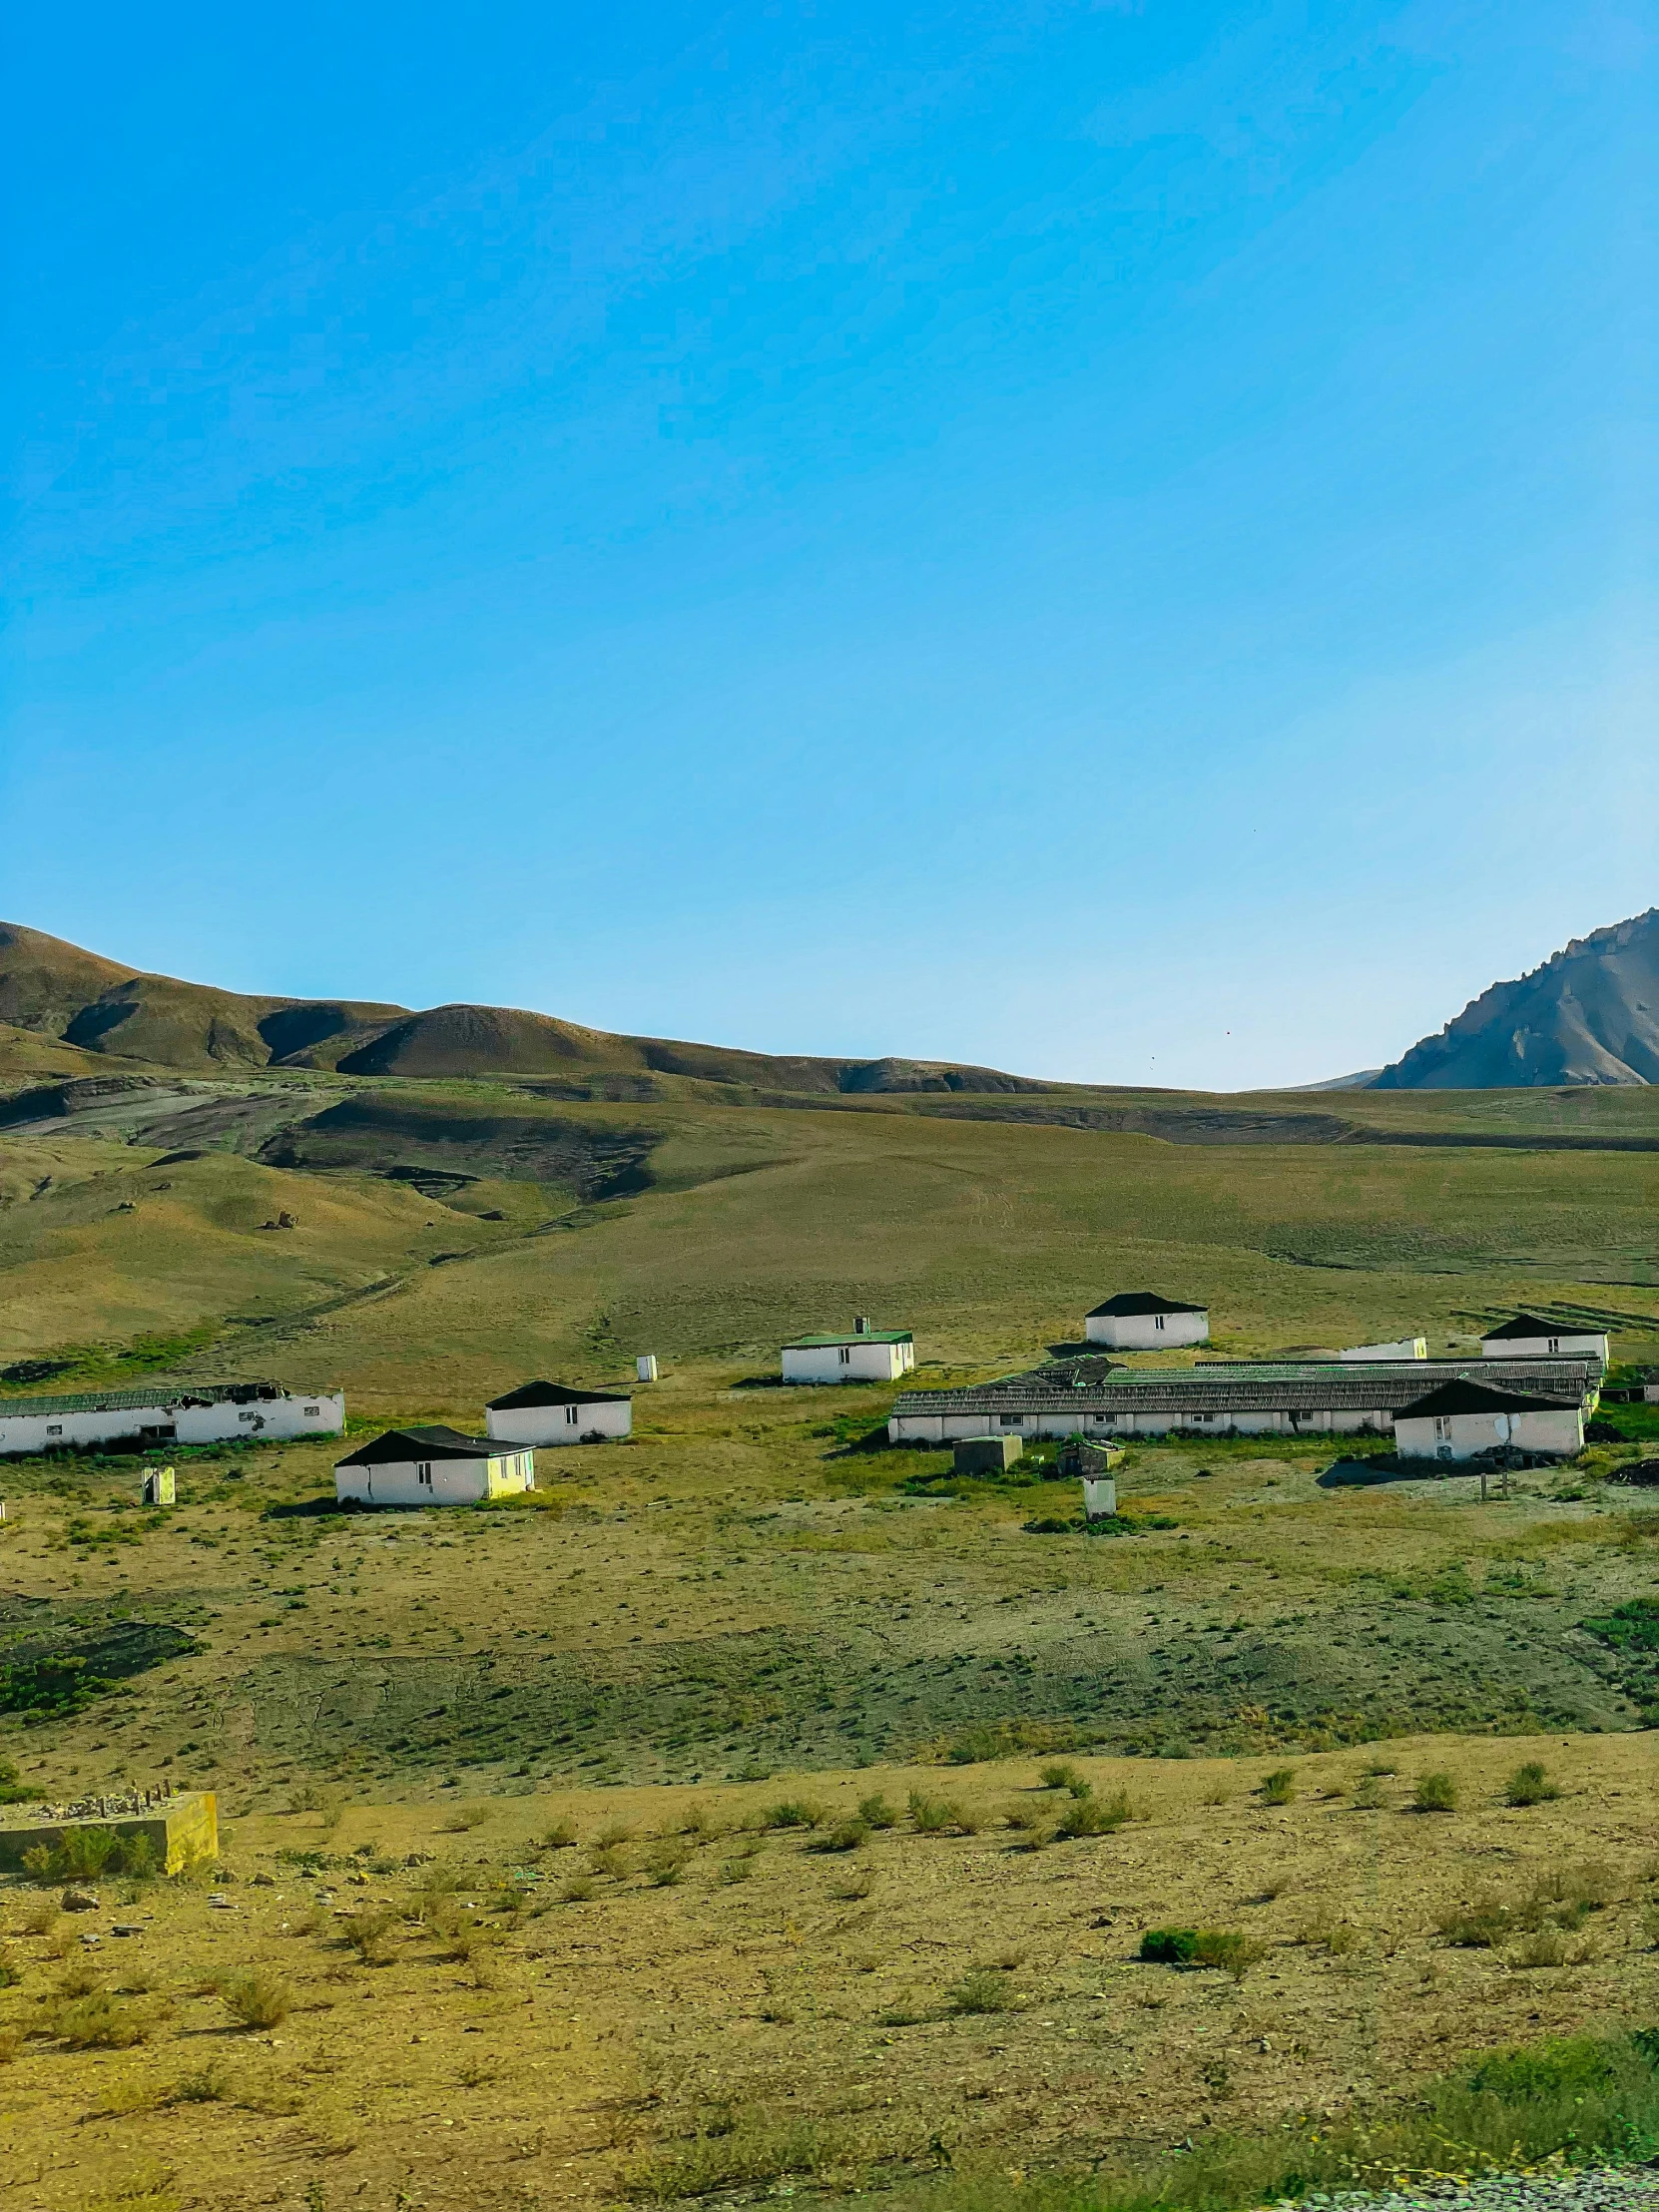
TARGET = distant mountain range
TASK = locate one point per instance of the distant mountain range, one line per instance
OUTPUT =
(1590, 1014)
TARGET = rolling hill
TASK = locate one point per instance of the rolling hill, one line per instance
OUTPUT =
(57, 990)
(1590, 1014)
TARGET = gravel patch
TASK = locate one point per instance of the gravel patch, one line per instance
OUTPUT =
(1590, 2189)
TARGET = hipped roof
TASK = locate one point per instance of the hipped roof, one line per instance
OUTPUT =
(435, 1442)
(1527, 1326)
(554, 1393)
(1129, 1302)
(1476, 1398)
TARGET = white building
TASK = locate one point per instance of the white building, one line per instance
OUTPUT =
(552, 1413)
(1528, 1337)
(167, 1413)
(1406, 1348)
(432, 1467)
(867, 1356)
(1091, 1398)
(1462, 1421)
(1141, 1321)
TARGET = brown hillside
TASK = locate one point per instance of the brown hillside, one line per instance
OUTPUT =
(58, 991)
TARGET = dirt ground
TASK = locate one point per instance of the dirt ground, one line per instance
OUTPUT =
(707, 2002)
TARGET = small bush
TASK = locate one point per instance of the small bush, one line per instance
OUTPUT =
(1089, 1817)
(1481, 1925)
(465, 1818)
(102, 2023)
(876, 1812)
(1277, 1788)
(939, 1816)
(1059, 1775)
(11, 2044)
(257, 2000)
(667, 1866)
(846, 1836)
(982, 1992)
(618, 1832)
(1530, 1784)
(370, 1936)
(1222, 1948)
(1368, 1794)
(792, 1813)
(610, 1864)
(736, 1870)
(11, 1968)
(577, 1890)
(1435, 1793)
(560, 1837)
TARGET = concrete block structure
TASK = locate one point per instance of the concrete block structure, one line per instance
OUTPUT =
(987, 1454)
(1141, 1321)
(559, 1413)
(180, 1827)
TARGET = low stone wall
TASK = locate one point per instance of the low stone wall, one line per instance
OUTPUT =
(179, 1829)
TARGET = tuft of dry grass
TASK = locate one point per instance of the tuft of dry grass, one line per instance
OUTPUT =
(257, 1998)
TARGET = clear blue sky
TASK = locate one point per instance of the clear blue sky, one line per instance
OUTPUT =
(1113, 541)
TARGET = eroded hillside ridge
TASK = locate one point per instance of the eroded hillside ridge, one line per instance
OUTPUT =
(1590, 1014)
(57, 990)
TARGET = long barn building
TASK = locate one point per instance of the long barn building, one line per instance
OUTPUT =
(1098, 1396)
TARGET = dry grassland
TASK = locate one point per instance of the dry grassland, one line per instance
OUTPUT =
(686, 1997)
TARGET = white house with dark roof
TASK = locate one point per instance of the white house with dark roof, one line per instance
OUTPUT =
(556, 1414)
(1141, 1321)
(865, 1354)
(1528, 1337)
(432, 1465)
(1465, 1420)
(160, 1414)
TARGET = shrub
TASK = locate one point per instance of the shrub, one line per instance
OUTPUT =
(257, 1998)
(370, 1936)
(981, 1992)
(846, 1836)
(465, 1818)
(792, 1813)
(610, 1864)
(1222, 1948)
(1089, 1817)
(1529, 1785)
(936, 1815)
(667, 1866)
(618, 1832)
(102, 2023)
(577, 1890)
(11, 2044)
(11, 1968)
(12, 1788)
(1481, 1925)
(1059, 1775)
(876, 1812)
(560, 1837)
(1277, 1788)
(1435, 1793)
(737, 1870)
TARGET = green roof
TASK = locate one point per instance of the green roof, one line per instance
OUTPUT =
(863, 1336)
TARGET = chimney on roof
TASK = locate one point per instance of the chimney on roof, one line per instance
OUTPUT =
(860, 1324)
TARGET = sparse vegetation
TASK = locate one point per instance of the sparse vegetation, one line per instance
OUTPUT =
(1277, 1788)
(1530, 1784)
(1435, 1792)
(257, 2000)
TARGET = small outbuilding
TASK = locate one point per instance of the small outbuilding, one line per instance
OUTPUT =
(432, 1467)
(557, 1413)
(1404, 1347)
(987, 1454)
(1528, 1337)
(865, 1355)
(1465, 1421)
(1141, 1321)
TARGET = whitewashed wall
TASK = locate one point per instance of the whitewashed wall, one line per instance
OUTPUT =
(867, 1361)
(322, 1415)
(1141, 1333)
(550, 1424)
(455, 1481)
(1544, 1347)
(1560, 1434)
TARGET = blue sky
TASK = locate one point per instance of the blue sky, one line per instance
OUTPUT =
(1111, 541)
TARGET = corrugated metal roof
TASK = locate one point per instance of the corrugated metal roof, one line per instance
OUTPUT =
(157, 1397)
(853, 1336)
(1084, 1386)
